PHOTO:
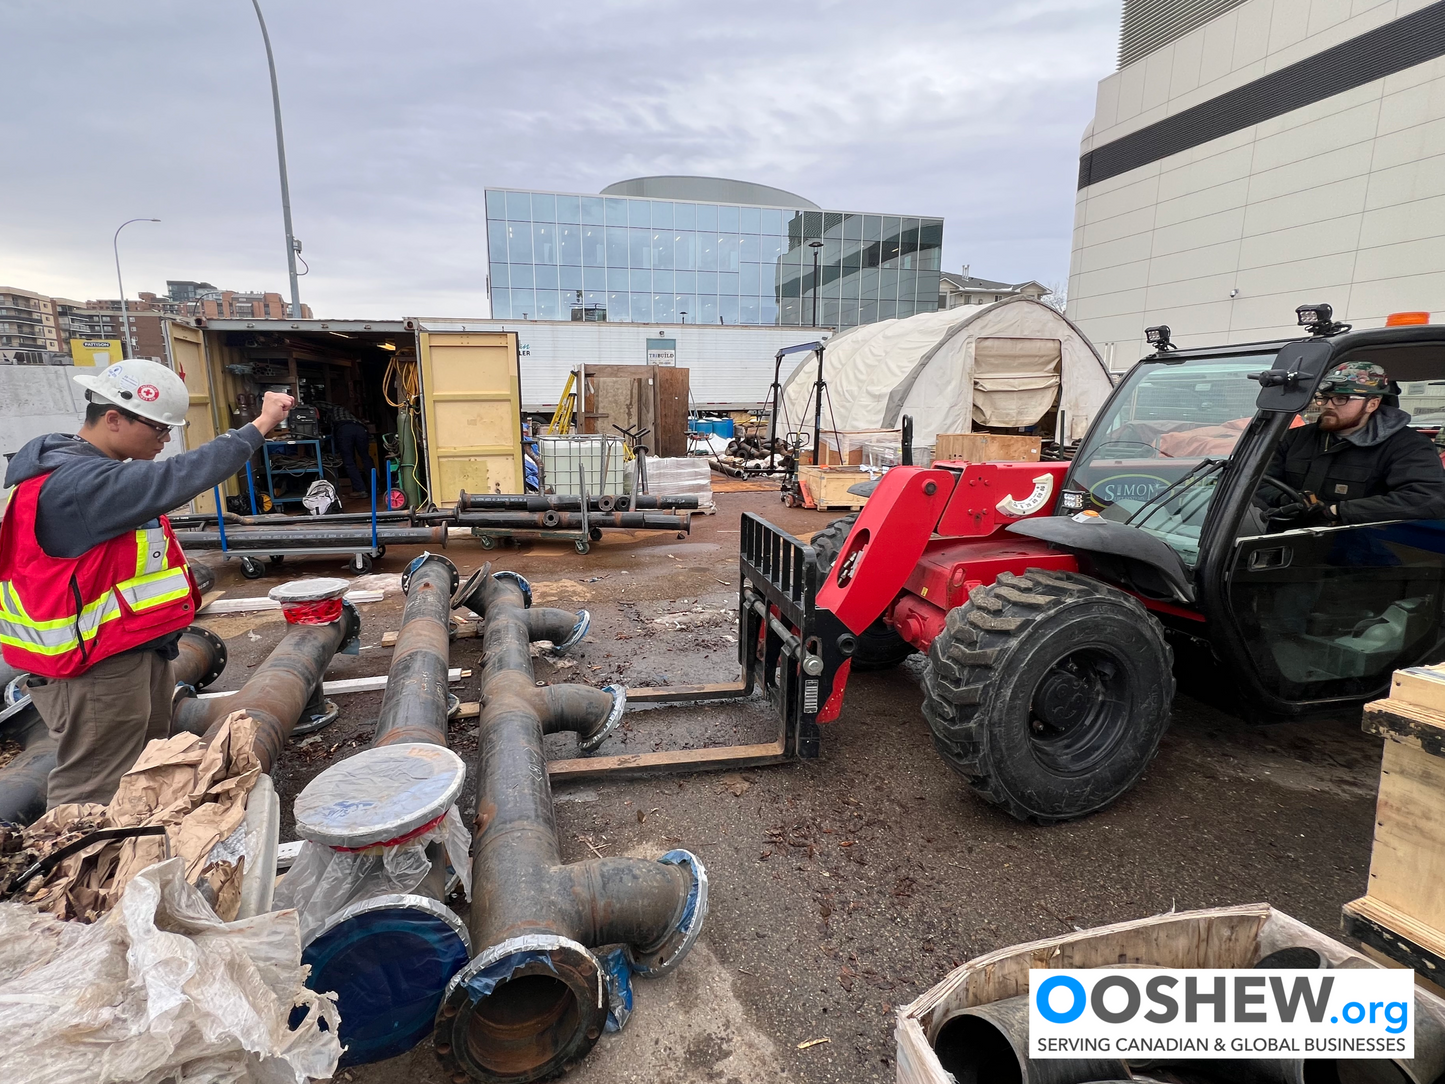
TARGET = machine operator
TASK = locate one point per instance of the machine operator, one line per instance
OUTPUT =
(94, 588)
(1360, 462)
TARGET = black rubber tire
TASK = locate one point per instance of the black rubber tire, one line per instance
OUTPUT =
(252, 569)
(360, 563)
(1105, 656)
(879, 648)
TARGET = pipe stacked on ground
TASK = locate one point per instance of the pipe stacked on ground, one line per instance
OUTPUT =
(534, 998)
(301, 536)
(201, 658)
(285, 685)
(562, 502)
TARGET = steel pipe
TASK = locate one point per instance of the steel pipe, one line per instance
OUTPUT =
(280, 690)
(991, 1042)
(572, 521)
(277, 519)
(534, 998)
(259, 538)
(414, 707)
(563, 502)
(201, 658)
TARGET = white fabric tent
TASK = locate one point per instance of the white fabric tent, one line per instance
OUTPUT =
(999, 365)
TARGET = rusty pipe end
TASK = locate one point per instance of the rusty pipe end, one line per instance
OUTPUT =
(427, 555)
(524, 1009)
(656, 960)
(589, 742)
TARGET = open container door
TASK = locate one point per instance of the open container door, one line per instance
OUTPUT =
(472, 397)
(188, 358)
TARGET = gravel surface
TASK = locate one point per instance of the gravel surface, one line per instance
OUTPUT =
(845, 886)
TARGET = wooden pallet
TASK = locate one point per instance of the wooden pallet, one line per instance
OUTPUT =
(1402, 914)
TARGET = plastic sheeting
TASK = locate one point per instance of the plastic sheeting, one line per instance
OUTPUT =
(930, 366)
(323, 881)
(159, 989)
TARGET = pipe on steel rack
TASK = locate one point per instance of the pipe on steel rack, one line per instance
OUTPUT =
(201, 658)
(276, 519)
(572, 521)
(544, 502)
(260, 538)
(280, 691)
(534, 998)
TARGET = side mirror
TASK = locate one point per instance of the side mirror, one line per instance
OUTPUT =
(1288, 386)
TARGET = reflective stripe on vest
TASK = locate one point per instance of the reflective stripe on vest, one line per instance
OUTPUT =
(150, 551)
(52, 637)
(152, 589)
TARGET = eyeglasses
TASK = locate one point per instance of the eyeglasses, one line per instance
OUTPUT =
(156, 427)
(1336, 400)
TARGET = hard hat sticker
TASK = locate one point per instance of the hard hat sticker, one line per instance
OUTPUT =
(149, 392)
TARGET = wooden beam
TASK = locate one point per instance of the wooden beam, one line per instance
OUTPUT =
(354, 685)
(671, 760)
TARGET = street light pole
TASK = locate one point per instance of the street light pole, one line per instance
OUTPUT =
(291, 244)
(815, 246)
(124, 313)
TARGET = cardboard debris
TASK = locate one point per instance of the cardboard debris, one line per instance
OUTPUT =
(197, 792)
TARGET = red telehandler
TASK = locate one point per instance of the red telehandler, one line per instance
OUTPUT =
(1055, 601)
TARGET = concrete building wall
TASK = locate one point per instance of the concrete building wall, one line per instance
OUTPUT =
(1339, 201)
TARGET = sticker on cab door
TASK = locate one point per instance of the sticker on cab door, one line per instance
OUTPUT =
(1043, 490)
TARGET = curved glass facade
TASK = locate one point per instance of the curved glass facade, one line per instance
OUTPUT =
(572, 257)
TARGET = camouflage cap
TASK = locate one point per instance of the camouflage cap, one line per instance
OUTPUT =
(1355, 378)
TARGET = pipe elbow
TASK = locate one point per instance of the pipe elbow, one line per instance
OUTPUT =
(563, 628)
(591, 714)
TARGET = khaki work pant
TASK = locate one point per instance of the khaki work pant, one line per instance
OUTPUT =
(102, 720)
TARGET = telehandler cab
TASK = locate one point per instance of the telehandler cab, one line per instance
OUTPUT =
(1054, 600)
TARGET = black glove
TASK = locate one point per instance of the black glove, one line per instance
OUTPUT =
(1311, 513)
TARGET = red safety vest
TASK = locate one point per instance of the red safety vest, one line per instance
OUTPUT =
(59, 616)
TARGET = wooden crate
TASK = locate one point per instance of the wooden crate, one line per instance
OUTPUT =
(1219, 937)
(986, 448)
(1402, 913)
(827, 487)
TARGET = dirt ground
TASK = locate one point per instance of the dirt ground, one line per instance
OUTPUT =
(845, 886)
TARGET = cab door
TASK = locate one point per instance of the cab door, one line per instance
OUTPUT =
(472, 402)
(187, 350)
(1329, 613)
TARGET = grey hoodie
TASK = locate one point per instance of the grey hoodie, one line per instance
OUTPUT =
(90, 498)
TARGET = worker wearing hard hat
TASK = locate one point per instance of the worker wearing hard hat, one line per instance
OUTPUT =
(94, 588)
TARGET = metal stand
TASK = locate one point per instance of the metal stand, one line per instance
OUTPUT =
(251, 566)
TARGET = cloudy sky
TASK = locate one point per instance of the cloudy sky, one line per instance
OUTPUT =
(398, 115)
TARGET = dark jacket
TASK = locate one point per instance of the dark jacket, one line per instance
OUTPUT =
(1383, 471)
(90, 498)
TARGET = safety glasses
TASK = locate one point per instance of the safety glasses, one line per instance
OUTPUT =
(156, 427)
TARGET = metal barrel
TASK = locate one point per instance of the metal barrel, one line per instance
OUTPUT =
(201, 658)
(533, 1000)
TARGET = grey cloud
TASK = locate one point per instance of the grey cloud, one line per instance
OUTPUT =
(397, 116)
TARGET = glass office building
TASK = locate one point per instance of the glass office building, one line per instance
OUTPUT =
(627, 259)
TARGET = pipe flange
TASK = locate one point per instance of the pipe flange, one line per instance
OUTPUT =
(579, 630)
(15, 691)
(520, 582)
(463, 595)
(694, 913)
(454, 705)
(329, 714)
(591, 741)
(183, 691)
(427, 555)
(351, 618)
(458, 1038)
(218, 647)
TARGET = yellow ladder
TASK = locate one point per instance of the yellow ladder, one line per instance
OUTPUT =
(562, 417)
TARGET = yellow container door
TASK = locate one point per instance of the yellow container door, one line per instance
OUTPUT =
(188, 358)
(472, 399)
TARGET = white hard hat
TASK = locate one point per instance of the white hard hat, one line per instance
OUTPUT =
(142, 387)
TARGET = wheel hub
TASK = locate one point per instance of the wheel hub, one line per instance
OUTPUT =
(1063, 700)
